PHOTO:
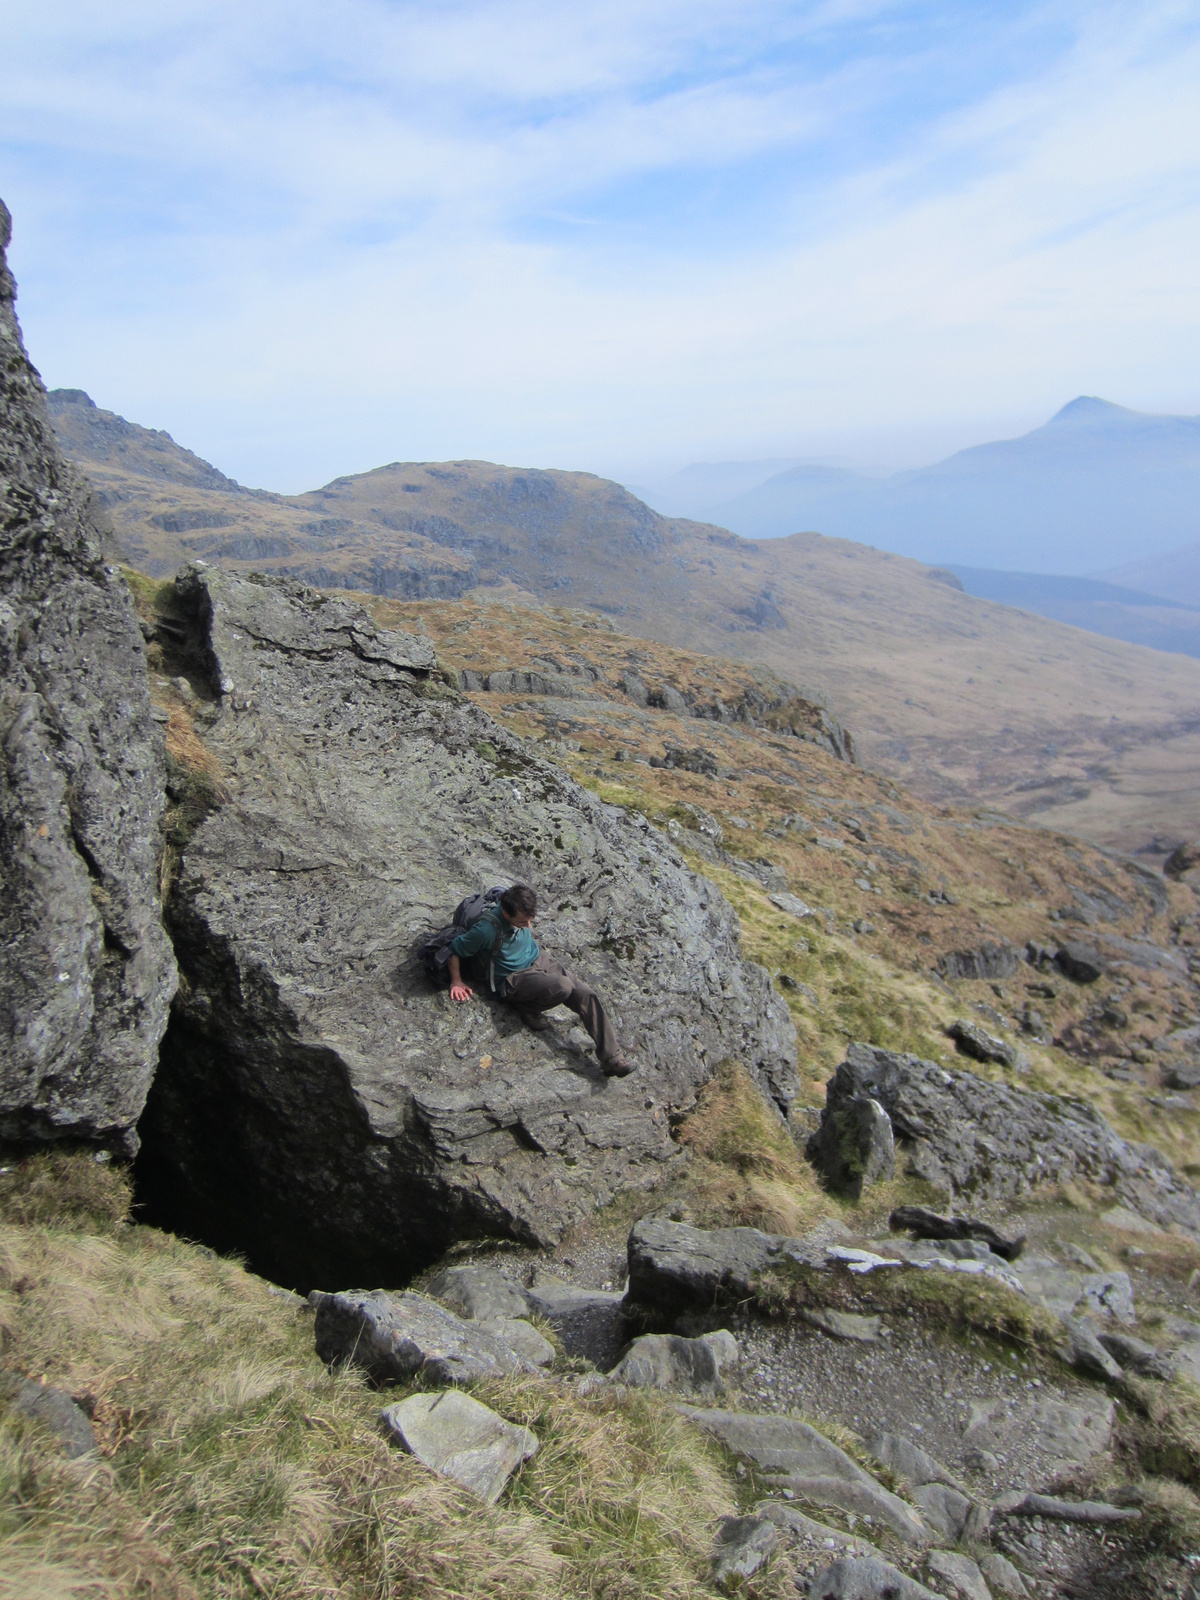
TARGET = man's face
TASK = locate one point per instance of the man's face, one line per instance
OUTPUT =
(518, 919)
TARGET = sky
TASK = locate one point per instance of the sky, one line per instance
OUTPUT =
(311, 238)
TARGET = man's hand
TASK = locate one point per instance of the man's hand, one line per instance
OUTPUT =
(458, 989)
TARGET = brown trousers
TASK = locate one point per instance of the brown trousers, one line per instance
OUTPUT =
(548, 983)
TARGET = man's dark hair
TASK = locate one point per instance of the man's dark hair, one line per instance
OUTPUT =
(519, 901)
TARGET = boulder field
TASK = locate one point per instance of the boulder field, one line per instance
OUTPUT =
(87, 973)
(318, 1104)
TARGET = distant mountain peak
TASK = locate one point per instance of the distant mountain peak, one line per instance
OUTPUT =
(1089, 408)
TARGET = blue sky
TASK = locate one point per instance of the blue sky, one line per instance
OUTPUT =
(310, 238)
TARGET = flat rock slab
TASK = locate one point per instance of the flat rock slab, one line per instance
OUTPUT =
(668, 1361)
(459, 1438)
(744, 1544)
(969, 1137)
(376, 1121)
(396, 1336)
(908, 1461)
(867, 1578)
(1066, 1290)
(812, 1466)
(54, 1410)
(672, 1265)
(479, 1291)
(521, 1337)
(1022, 1503)
(845, 1325)
(1002, 1577)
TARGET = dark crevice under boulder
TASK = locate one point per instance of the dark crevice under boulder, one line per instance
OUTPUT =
(318, 1106)
(87, 973)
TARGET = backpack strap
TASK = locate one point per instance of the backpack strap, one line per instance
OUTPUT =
(498, 938)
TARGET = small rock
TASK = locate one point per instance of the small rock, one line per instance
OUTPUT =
(866, 1578)
(743, 1545)
(479, 1291)
(944, 1509)
(55, 1410)
(972, 1040)
(1003, 1577)
(672, 1264)
(1023, 1503)
(1082, 962)
(854, 1145)
(459, 1438)
(845, 1325)
(1084, 1351)
(816, 1536)
(667, 1361)
(929, 1225)
(1136, 1356)
(959, 1574)
(1184, 858)
(395, 1336)
(1184, 1076)
(982, 1461)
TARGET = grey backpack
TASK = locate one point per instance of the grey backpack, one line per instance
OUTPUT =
(434, 954)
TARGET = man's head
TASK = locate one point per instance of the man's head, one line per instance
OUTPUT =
(519, 905)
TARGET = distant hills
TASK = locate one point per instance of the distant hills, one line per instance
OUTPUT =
(1097, 487)
(962, 698)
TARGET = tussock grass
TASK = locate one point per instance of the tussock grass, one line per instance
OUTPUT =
(234, 1465)
(746, 1169)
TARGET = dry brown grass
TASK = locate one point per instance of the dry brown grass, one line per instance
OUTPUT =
(235, 1465)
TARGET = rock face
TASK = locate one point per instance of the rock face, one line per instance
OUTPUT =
(993, 1143)
(318, 1105)
(672, 1264)
(87, 975)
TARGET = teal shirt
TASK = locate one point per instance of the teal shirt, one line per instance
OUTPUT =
(516, 951)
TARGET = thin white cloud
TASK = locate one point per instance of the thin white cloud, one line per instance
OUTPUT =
(308, 238)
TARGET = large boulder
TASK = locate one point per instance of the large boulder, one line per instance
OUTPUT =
(319, 1105)
(993, 1143)
(87, 975)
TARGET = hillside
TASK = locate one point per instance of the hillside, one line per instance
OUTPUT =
(1114, 610)
(962, 698)
(1096, 486)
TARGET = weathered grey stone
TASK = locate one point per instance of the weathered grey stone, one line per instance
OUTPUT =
(929, 1225)
(1071, 1432)
(1184, 1076)
(847, 1325)
(87, 974)
(984, 961)
(1134, 1355)
(53, 1409)
(666, 1361)
(459, 1438)
(974, 1041)
(996, 1143)
(744, 1544)
(812, 1466)
(1002, 1576)
(957, 1575)
(395, 1336)
(317, 1104)
(854, 1145)
(1082, 1349)
(672, 1264)
(908, 1462)
(520, 1336)
(866, 1578)
(1064, 1290)
(1083, 962)
(815, 1537)
(944, 1509)
(589, 1322)
(1023, 1503)
(479, 1291)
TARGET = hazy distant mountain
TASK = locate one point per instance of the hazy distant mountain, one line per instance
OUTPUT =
(1107, 608)
(1175, 575)
(1097, 486)
(696, 489)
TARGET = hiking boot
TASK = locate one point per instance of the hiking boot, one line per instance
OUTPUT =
(537, 1020)
(618, 1067)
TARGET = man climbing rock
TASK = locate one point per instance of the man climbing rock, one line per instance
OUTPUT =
(502, 946)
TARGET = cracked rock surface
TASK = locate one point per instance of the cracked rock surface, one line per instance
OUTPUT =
(318, 1105)
(87, 973)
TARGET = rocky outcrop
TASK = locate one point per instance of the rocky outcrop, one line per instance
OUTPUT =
(87, 974)
(970, 1137)
(318, 1105)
